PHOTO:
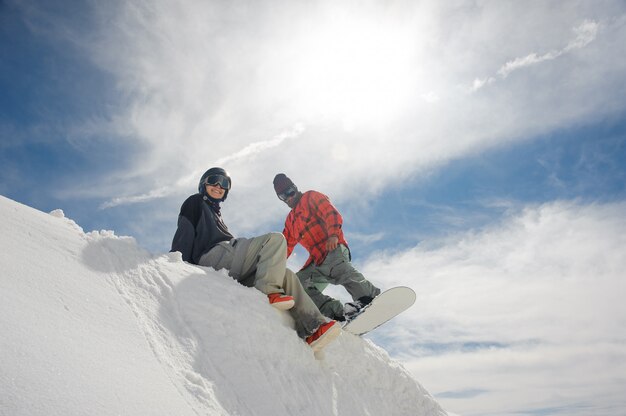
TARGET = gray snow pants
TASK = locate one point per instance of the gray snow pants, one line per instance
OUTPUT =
(261, 262)
(337, 270)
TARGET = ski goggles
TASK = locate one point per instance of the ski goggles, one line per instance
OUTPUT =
(218, 180)
(287, 193)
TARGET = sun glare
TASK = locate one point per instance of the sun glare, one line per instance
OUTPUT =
(355, 69)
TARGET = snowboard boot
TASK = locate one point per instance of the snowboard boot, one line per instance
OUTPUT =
(280, 301)
(352, 309)
(325, 334)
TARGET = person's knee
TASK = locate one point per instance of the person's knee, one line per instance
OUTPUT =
(276, 239)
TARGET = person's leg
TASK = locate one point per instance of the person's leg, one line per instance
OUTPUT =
(312, 280)
(306, 315)
(266, 259)
(219, 257)
(338, 270)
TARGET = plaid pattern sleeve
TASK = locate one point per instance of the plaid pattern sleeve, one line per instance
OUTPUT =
(311, 223)
(289, 236)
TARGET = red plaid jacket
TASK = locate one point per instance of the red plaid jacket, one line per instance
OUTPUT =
(310, 223)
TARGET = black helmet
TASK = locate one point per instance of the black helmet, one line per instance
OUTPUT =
(214, 172)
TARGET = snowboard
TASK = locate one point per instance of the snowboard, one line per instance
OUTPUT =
(384, 307)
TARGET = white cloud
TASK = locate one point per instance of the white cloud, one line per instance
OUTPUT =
(385, 85)
(526, 61)
(153, 194)
(586, 33)
(479, 83)
(262, 146)
(366, 238)
(521, 312)
(209, 84)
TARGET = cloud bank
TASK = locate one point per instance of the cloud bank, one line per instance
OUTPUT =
(520, 312)
(208, 83)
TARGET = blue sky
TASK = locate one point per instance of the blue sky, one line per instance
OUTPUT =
(453, 138)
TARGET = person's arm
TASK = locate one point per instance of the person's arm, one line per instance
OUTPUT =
(291, 241)
(186, 229)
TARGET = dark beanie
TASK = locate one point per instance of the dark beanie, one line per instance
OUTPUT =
(281, 183)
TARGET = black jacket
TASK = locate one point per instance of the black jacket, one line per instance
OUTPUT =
(200, 228)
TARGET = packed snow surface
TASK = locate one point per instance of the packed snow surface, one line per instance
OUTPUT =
(91, 324)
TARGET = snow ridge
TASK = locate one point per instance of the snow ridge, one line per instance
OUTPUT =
(93, 324)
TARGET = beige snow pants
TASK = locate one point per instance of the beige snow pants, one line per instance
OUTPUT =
(261, 262)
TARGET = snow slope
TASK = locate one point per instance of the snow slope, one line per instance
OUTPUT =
(91, 324)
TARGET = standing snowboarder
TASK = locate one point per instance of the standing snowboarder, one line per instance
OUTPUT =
(317, 225)
(260, 262)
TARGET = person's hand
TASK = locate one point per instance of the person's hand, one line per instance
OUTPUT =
(332, 243)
